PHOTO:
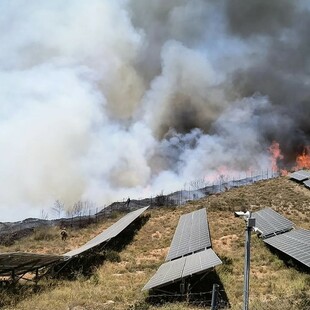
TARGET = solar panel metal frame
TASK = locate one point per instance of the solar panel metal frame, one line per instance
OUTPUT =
(20, 263)
(108, 234)
(192, 234)
(270, 222)
(183, 267)
(295, 244)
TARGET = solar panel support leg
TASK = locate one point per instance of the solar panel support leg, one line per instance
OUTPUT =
(182, 287)
(37, 276)
(215, 292)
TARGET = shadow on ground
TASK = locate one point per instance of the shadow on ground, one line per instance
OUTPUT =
(194, 290)
(85, 264)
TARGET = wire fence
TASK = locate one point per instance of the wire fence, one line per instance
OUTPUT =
(299, 301)
(198, 189)
(202, 299)
(85, 212)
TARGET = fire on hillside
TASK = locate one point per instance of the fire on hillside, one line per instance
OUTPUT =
(302, 160)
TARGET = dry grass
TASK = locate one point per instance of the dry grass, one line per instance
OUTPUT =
(117, 285)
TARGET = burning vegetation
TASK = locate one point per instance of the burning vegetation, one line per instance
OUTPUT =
(302, 160)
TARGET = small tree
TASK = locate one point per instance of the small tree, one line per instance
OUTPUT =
(43, 214)
(58, 208)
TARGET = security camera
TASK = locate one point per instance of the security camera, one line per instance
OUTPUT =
(258, 231)
(239, 213)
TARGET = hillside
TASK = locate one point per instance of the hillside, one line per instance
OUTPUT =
(118, 284)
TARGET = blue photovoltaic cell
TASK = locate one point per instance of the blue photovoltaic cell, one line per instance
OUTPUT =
(191, 235)
(109, 233)
(183, 267)
(270, 222)
(295, 243)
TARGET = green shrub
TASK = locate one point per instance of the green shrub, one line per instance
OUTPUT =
(113, 256)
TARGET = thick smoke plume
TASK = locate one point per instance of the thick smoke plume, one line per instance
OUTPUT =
(104, 99)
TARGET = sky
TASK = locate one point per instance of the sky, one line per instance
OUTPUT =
(102, 100)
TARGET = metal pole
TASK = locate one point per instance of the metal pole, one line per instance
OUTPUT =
(247, 268)
(215, 292)
(247, 258)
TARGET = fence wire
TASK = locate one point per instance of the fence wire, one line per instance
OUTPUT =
(203, 300)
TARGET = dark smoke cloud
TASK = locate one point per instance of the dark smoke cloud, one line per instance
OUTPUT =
(282, 74)
(260, 17)
(103, 99)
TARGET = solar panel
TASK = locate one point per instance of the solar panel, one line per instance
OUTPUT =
(21, 263)
(183, 267)
(270, 222)
(191, 235)
(200, 261)
(295, 243)
(167, 273)
(300, 175)
(109, 233)
(307, 183)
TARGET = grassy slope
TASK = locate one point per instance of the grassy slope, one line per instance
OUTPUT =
(118, 285)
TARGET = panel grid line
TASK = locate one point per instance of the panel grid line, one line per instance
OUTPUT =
(295, 244)
(183, 267)
(270, 222)
(191, 235)
(109, 233)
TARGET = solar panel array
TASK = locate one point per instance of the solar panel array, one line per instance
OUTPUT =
(191, 235)
(270, 222)
(300, 175)
(109, 233)
(190, 251)
(20, 263)
(179, 268)
(295, 243)
(277, 232)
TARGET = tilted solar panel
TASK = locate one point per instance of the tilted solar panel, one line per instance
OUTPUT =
(191, 235)
(166, 273)
(307, 183)
(295, 243)
(21, 263)
(109, 233)
(300, 175)
(183, 267)
(269, 222)
(200, 261)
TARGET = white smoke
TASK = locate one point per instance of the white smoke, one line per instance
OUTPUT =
(101, 100)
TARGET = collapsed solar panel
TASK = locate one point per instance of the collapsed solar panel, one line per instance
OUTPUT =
(108, 234)
(295, 243)
(270, 222)
(191, 235)
(20, 263)
(183, 267)
(300, 175)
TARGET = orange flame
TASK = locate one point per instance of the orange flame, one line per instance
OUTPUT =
(276, 155)
(303, 160)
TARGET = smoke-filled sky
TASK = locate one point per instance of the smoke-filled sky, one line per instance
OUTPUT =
(101, 99)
